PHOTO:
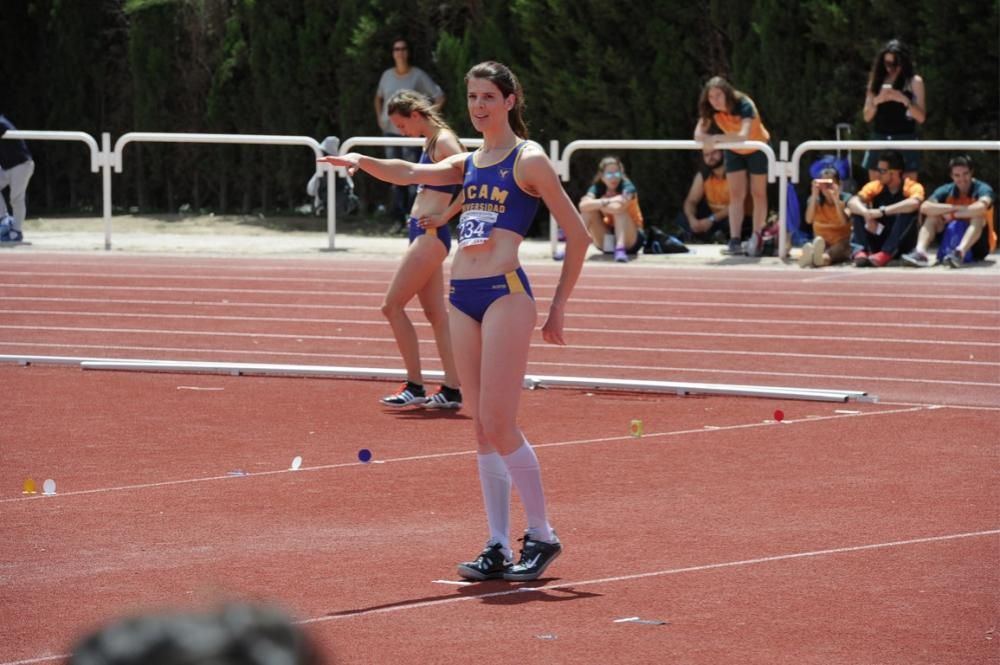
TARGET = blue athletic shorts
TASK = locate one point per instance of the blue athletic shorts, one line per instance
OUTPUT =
(442, 232)
(474, 296)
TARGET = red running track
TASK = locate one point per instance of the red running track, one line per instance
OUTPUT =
(857, 533)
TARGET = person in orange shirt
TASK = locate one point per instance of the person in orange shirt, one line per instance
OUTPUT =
(611, 210)
(885, 213)
(968, 203)
(826, 212)
(735, 117)
(706, 208)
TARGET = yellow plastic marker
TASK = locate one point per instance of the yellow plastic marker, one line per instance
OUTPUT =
(636, 428)
(29, 486)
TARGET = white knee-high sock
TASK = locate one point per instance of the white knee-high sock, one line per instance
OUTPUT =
(527, 477)
(495, 481)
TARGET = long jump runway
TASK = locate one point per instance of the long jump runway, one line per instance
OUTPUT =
(845, 533)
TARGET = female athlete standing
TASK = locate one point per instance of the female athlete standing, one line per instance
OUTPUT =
(420, 273)
(493, 312)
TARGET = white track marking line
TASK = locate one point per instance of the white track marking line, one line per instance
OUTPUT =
(759, 273)
(423, 324)
(585, 285)
(570, 347)
(576, 315)
(431, 456)
(531, 363)
(253, 353)
(450, 600)
(540, 298)
(656, 573)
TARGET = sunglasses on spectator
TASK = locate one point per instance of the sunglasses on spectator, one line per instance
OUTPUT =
(613, 174)
(400, 48)
(891, 64)
(885, 170)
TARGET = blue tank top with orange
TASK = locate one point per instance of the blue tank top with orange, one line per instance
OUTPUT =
(493, 199)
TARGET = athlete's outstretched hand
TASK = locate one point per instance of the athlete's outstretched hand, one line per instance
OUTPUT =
(552, 330)
(348, 161)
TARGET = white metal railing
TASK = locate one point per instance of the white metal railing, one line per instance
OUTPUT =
(32, 135)
(790, 168)
(573, 146)
(104, 158)
(244, 139)
(808, 146)
(562, 163)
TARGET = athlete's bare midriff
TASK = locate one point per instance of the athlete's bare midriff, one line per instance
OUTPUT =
(496, 256)
(430, 202)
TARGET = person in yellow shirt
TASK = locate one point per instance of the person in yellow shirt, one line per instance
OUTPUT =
(826, 212)
(735, 117)
(885, 213)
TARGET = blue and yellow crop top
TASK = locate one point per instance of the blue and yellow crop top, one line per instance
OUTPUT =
(448, 189)
(493, 199)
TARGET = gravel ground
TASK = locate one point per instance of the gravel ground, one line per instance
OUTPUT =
(233, 235)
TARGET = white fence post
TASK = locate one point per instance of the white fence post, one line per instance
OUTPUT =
(553, 227)
(782, 168)
(107, 160)
(331, 207)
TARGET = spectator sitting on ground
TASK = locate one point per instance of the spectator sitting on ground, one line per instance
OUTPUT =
(826, 212)
(611, 210)
(966, 205)
(239, 634)
(885, 213)
(706, 209)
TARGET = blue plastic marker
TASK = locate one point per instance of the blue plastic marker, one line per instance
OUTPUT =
(365, 455)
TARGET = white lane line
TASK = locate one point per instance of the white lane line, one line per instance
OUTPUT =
(583, 285)
(630, 302)
(215, 304)
(422, 458)
(380, 322)
(675, 371)
(569, 347)
(449, 600)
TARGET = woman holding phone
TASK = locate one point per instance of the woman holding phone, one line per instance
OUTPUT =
(895, 103)
(826, 212)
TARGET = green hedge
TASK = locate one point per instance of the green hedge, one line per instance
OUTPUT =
(590, 70)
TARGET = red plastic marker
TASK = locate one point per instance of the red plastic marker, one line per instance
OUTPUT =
(779, 415)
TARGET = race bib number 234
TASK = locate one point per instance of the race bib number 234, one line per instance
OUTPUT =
(475, 227)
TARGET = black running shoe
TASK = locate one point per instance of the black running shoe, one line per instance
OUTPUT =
(491, 564)
(445, 398)
(410, 394)
(535, 558)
